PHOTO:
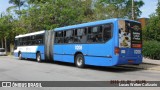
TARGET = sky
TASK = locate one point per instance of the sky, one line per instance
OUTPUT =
(148, 8)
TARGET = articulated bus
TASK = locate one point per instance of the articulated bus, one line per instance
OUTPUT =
(109, 42)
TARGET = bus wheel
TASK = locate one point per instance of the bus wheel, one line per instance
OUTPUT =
(38, 57)
(20, 56)
(79, 60)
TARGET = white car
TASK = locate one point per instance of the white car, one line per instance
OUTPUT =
(2, 52)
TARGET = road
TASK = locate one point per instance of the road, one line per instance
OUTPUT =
(12, 69)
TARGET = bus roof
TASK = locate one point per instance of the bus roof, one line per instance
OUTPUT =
(91, 24)
(30, 34)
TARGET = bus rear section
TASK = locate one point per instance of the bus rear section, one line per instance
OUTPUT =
(130, 43)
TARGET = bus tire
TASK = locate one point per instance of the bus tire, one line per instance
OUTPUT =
(79, 61)
(38, 57)
(20, 56)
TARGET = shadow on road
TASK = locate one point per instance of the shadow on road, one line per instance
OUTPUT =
(99, 68)
(116, 69)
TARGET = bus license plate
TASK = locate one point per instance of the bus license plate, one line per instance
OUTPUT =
(130, 61)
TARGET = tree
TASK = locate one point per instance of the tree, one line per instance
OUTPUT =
(152, 31)
(17, 4)
(54, 13)
(117, 8)
(5, 28)
(49, 14)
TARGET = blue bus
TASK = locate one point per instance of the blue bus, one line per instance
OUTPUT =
(108, 42)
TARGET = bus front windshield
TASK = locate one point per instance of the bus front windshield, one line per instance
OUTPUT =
(130, 34)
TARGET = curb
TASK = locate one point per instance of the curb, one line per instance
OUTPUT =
(145, 66)
(150, 66)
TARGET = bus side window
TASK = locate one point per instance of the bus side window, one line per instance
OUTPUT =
(98, 34)
(56, 39)
(95, 34)
(107, 32)
(39, 39)
(32, 40)
(89, 36)
(23, 41)
(28, 40)
(59, 37)
(65, 41)
(82, 35)
(68, 36)
(19, 41)
(76, 38)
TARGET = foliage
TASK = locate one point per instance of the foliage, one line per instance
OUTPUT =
(151, 49)
(16, 4)
(49, 14)
(118, 8)
(152, 31)
(151, 35)
(5, 25)
(35, 15)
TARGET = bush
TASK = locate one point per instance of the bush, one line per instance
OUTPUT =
(151, 49)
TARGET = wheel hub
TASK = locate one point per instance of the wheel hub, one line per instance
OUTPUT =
(38, 58)
(79, 61)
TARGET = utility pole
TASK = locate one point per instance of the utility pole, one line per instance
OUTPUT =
(133, 17)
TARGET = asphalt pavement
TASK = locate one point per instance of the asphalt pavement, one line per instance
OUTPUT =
(12, 69)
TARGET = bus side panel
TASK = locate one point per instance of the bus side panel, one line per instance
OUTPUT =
(58, 57)
(115, 42)
(68, 51)
(30, 51)
(103, 54)
(71, 49)
(29, 55)
(98, 61)
(26, 51)
(58, 52)
(41, 50)
(64, 53)
(68, 58)
(100, 54)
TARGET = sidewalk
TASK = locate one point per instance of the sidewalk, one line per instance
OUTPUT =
(148, 64)
(147, 60)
